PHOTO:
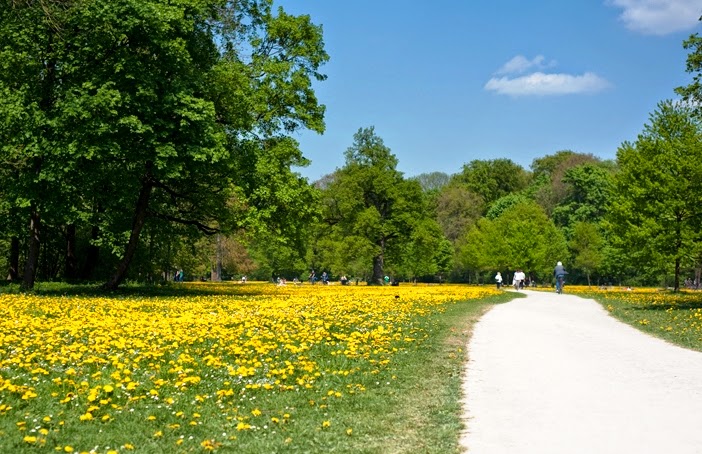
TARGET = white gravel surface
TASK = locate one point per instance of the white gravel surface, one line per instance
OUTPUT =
(557, 374)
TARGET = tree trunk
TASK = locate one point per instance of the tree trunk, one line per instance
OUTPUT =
(71, 261)
(588, 280)
(13, 273)
(378, 265)
(92, 256)
(676, 284)
(137, 225)
(30, 269)
(217, 268)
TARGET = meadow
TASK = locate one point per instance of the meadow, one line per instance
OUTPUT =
(675, 317)
(200, 367)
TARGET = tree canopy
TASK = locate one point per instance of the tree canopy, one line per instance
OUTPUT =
(137, 110)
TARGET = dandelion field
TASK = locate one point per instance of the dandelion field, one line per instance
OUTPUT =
(236, 368)
(675, 317)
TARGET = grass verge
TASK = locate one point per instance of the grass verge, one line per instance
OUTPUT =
(422, 412)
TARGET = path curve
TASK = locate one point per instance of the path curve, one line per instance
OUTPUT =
(557, 374)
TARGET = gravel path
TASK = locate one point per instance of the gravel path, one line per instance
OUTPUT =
(556, 374)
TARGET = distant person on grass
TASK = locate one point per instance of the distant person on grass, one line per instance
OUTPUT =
(498, 280)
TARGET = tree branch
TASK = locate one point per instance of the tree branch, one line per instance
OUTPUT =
(207, 230)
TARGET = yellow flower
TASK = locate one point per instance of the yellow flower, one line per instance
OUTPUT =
(256, 412)
(349, 431)
(158, 434)
(210, 445)
(30, 439)
(86, 417)
(108, 388)
(326, 424)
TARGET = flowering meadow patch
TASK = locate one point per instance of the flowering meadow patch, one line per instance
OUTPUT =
(219, 366)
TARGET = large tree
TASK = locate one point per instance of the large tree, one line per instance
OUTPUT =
(457, 208)
(369, 199)
(145, 109)
(657, 203)
(521, 237)
(587, 246)
(588, 188)
(493, 179)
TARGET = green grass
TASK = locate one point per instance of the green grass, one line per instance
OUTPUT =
(421, 410)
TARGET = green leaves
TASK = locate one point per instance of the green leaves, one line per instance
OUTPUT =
(655, 209)
(182, 105)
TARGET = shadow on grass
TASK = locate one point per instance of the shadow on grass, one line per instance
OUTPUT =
(143, 290)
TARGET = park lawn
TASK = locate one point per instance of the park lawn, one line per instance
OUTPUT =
(675, 317)
(236, 368)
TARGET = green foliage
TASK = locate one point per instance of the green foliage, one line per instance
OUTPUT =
(586, 245)
(589, 188)
(522, 237)
(127, 113)
(493, 179)
(504, 203)
(432, 182)
(426, 252)
(457, 209)
(370, 201)
(655, 210)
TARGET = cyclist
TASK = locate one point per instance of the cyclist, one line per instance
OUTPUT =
(559, 272)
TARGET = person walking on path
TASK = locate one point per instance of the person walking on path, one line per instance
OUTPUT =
(546, 378)
(498, 280)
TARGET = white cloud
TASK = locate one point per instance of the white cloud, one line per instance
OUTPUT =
(539, 83)
(521, 64)
(659, 17)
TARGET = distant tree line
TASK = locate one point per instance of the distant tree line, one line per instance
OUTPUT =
(141, 137)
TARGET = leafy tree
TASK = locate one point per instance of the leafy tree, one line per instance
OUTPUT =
(532, 242)
(656, 207)
(481, 249)
(586, 244)
(504, 203)
(457, 209)
(426, 252)
(150, 110)
(549, 187)
(370, 200)
(589, 188)
(432, 181)
(522, 237)
(493, 179)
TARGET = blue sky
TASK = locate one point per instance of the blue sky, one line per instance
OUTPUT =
(449, 81)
